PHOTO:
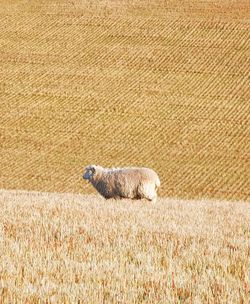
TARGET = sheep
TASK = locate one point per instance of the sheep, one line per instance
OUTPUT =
(131, 182)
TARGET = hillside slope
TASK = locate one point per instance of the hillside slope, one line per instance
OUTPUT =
(64, 248)
(163, 84)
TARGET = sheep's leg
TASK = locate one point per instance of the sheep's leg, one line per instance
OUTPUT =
(154, 200)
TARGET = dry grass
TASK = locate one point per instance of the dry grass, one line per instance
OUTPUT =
(157, 83)
(80, 249)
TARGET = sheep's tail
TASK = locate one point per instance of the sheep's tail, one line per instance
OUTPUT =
(157, 183)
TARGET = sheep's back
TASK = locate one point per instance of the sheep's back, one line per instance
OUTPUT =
(134, 175)
(143, 174)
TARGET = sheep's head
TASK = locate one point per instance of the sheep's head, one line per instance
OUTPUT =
(90, 171)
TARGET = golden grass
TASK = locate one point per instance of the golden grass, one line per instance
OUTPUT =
(63, 248)
(163, 84)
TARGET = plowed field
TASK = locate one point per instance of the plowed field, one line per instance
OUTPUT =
(164, 84)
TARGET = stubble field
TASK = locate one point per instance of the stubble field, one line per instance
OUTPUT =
(64, 248)
(163, 84)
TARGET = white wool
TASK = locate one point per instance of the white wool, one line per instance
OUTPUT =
(129, 182)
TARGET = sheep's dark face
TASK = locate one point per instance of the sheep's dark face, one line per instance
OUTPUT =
(89, 172)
